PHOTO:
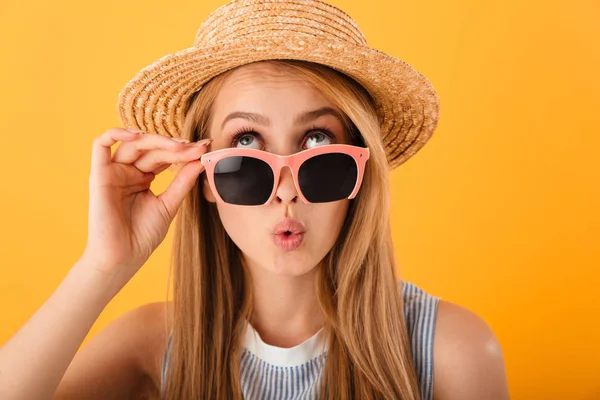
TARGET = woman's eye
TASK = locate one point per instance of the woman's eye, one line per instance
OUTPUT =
(317, 138)
(246, 141)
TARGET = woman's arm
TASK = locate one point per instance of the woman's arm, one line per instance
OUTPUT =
(33, 361)
(126, 223)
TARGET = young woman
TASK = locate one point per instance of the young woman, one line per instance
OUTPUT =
(285, 281)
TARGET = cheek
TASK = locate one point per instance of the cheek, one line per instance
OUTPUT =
(327, 220)
(239, 222)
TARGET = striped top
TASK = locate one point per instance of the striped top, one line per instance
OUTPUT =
(294, 373)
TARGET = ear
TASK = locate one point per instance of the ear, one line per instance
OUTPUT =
(207, 191)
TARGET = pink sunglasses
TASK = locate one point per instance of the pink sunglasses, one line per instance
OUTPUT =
(249, 177)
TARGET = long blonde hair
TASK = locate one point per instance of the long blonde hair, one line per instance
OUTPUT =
(369, 355)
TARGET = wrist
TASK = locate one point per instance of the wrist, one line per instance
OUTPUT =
(97, 277)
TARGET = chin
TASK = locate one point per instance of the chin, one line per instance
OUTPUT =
(287, 264)
(290, 270)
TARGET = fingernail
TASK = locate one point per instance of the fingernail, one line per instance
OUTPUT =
(203, 142)
(134, 130)
(180, 140)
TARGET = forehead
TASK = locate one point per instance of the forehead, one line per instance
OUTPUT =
(265, 88)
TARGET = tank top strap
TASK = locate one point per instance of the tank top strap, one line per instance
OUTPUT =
(420, 311)
(163, 370)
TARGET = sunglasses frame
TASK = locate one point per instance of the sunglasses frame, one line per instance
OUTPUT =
(293, 162)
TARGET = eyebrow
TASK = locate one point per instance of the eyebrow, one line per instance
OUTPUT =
(300, 119)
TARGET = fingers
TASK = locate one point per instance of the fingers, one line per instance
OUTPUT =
(141, 185)
(127, 153)
(151, 152)
(132, 177)
(139, 158)
(161, 169)
(155, 159)
(101, 145)
(179, 187)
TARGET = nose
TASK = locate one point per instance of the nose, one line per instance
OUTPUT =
(286, 190)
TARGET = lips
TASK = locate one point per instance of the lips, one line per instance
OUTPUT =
(288, 234)
(288, 226)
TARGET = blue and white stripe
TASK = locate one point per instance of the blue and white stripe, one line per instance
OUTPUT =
(269, 372)
(262, 380)
(420, 310)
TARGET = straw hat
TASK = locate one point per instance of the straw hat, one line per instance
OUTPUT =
(245, 31)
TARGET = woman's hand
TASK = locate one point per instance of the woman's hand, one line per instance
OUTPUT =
(127, 221)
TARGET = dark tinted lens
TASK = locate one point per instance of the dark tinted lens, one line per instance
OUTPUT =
(244, 181)
(328, 177)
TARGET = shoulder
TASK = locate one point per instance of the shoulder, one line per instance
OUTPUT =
(456, 354)
(468, 359)
(120, 359)
(148, 323)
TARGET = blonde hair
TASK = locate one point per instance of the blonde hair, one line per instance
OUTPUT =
(369, 353)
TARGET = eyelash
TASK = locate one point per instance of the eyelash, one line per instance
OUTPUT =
(247, 130)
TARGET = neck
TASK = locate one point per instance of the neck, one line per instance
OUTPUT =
(286, 311)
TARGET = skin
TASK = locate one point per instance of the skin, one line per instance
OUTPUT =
(123, 361)
(286, 308)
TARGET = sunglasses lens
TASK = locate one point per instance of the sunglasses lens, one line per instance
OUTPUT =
(243, 180)
(328, 177)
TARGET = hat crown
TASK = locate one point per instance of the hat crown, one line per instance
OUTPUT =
(268, 19)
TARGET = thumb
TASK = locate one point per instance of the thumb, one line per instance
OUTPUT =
(180, 186)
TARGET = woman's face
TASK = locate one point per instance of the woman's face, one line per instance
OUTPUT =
(278, 98)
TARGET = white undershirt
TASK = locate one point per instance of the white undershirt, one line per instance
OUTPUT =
(282, 356)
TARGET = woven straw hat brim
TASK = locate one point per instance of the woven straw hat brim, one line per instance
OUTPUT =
(154, 100)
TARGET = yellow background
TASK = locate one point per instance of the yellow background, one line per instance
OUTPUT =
(498, 212)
